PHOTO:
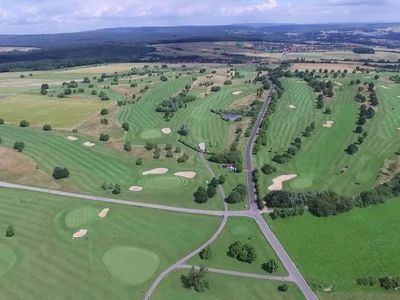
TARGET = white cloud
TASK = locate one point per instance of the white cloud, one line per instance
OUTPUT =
(249, 8)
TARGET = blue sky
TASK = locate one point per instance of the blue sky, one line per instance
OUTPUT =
(50, 16)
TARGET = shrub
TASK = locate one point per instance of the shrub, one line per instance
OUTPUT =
(268, 169)
(60, 173)
(216, 88)
(283, 288)
(205, 253)
(127, 146)
(46, 127)
(139, 161)
(104, 111)
(125, 126)
(270, 266)
(19, 146)
(24, 123)
(117, 189)
(10, 231)
(1, 121)
(104, 137)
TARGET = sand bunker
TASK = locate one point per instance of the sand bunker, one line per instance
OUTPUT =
(80, 234)
(398, 96)
(328, 124)
(385, 87)
(157, 171)
(299, 81)
(135, 188)
(166, 130)
(89, 144)
(237, 93)
(278, 181)
(291, 106)
(338, 83)
(103, 212)
(189, 174)
(72, 138)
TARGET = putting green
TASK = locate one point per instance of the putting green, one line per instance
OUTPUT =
(162, 181)
(7, 259)
(131, 265)
(150, 133)
(81, 216)
(301, 183)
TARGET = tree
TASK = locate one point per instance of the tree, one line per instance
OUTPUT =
(125, 126)
(104, 137)
(184, 130)
(104, 111)
(328, 111)
(268, 169)
(60, 173)
(44, 86)
(200, 196)
(127, 146)
(10, 231)
(359, 129)
(352, 148)
(19, 146)
(169, 154)
(196, 279)
(270, 266)
(211, 191)
(117, 189)
(283, 288)
(1, 121)
(139, 161)
(214, 182)
(221, 179)
(46, 127)
(24, 123)
(205, 253)
(168, 147)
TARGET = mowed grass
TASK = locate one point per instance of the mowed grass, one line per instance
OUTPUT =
(246, 231)
(337, 250)
(42, 261)
(226, 287)
(322, 163)
(40, 110)
(91, 167)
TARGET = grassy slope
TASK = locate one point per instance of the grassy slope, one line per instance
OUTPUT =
(337, 250)
(322, 156)
(226, 287)
(247, 231)
(90, 167)
(51, 265)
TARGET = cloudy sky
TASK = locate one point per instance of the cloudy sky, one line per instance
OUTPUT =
(49, 16)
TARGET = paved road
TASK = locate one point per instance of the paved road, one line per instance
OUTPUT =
(294, 273)
(183, 261)
(242, 274)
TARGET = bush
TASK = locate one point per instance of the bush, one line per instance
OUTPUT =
(24, 123)
(104, 111)
(104, 137)
(283, 288)
(60, 173)
(1, 121)
(139, 161)
(127, 146)
(19, 146)
(216, 88)
(117, 189)
(10, 231)
(46, 127)
(205, 253)
(125, 126)
(268, 169)
(270, 266)
(351, 149)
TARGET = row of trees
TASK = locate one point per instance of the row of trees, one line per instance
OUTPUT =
(202, 194)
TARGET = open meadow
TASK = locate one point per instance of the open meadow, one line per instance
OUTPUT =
(119, 257)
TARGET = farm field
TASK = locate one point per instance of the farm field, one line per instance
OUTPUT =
(322, 164)
(42, 260)
(335, 251)
(246, 231)
(224, 286)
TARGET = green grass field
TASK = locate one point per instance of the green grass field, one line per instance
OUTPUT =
(123, 253)
(40, 110)
(226, 287)
(91, 167)
(322, 157)
(246, 231)
(335, 251)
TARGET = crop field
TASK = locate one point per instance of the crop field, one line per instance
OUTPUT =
(42, 260)
(245, 231)
(335, 251)
(224, 286)
(321, 163)
(41, 110)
